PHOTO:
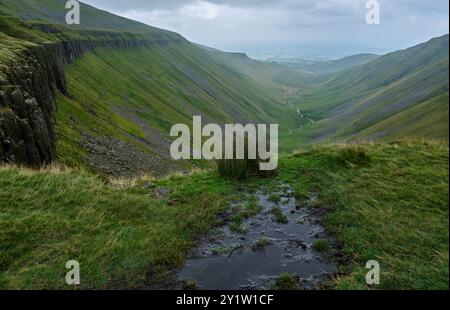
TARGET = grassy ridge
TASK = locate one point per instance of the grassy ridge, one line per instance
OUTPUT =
(54, 12)
(333, 66)
(384, 202)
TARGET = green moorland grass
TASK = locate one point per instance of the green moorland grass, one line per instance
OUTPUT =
(287, 282)
(387, 202)
(116, 230)
(428, 119)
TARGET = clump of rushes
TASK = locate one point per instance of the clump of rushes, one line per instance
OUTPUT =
(248, 210)
(280, 217)
(354, 154)
(322, 245)
(241, 169)
(261, 244)
(287, 282)
(238, 226)
(251, 207)
(275, 198)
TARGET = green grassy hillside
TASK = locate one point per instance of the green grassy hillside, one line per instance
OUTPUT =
(136, 95)
(54, 11)
(112, 92)
(346, 105)
(428, 119)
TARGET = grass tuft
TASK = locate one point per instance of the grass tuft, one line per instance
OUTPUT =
(239, 169)
(322, 245)
(287, 282)
(354, 154)
(248, 210)
(261, 244)
(280, 217)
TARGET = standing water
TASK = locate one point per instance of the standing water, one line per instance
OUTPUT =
(275, 241)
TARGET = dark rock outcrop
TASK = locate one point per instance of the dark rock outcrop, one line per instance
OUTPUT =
(27, 113)
(27, 95)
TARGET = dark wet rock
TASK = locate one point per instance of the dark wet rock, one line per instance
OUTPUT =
(299, 243)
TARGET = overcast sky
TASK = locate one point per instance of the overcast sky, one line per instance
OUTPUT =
(290, 26)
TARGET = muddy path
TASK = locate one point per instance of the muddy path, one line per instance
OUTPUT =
(279, 238)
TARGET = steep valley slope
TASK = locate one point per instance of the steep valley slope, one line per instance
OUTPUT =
(403, 94)
(117, 93)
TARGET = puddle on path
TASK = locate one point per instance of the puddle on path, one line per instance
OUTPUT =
(228, 260)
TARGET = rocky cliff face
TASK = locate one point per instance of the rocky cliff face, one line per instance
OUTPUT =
(27, 106)
(27, 97)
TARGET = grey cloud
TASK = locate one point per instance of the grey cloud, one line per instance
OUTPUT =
(284, 23)
(124, 5)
